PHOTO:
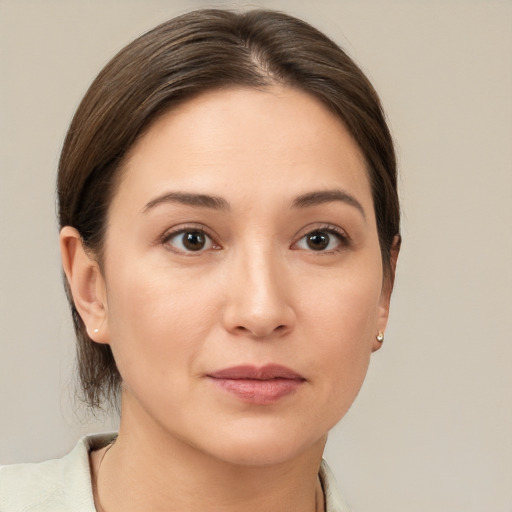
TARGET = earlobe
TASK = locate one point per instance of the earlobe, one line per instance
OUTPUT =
(86, 283)
(385, 298)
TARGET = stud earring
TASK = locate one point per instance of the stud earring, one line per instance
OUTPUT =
(380, 337)
(96, 331)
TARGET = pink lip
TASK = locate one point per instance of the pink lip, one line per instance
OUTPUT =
(258, 385)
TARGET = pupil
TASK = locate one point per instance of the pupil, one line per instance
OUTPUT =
(318, 241)
(194, 240)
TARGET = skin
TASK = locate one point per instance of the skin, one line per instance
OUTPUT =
(257, 293)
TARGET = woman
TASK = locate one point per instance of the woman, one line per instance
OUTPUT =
(229, 234)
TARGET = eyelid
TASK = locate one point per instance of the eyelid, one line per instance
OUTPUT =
(343, 237)
(183, 228)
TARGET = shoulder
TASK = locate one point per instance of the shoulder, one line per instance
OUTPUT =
(59, 485)
(33, 486)
(334, 500)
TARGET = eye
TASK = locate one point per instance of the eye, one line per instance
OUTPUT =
(190, 240)
(323, 240)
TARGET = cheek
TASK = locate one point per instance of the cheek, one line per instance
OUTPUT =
(156, 323)
(342, 328)
(346, 303)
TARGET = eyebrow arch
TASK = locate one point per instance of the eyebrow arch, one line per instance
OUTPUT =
(327, 196)
(189, 199)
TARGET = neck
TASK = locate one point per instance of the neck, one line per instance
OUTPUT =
(148, 469)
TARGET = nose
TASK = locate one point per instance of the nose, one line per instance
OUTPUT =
(258, 299)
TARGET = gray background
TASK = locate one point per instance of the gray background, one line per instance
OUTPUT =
(432, 427)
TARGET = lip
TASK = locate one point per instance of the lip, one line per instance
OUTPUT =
(258, 385)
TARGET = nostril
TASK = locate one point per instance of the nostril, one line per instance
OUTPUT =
(240, 329)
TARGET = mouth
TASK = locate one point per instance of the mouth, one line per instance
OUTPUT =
(258, 385)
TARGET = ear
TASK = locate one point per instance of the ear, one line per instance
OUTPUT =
(86, 283)
(387, 288)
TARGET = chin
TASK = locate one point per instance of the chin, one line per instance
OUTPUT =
(254, 448)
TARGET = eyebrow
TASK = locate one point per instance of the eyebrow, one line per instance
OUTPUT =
(189, 199)
(218, 203)
(327, 196)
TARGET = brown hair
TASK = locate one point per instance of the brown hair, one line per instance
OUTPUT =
(190, 54)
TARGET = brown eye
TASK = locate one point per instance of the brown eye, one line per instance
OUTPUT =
(318, 240)
(192, 240)
(329, 239)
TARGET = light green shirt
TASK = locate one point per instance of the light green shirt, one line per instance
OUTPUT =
(64, 485)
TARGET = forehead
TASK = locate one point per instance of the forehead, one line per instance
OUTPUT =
(274, 139)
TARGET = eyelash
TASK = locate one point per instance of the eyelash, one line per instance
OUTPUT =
(343, 239)
(189, 229)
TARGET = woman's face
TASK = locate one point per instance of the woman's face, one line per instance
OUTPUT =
(243, 283)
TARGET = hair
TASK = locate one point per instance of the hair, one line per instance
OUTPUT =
(179, 59)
